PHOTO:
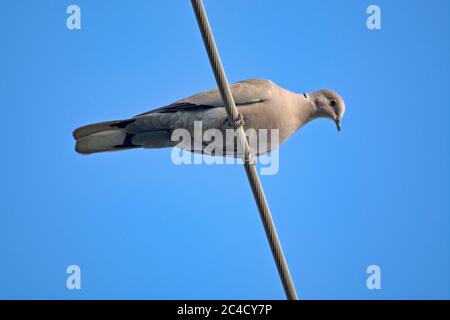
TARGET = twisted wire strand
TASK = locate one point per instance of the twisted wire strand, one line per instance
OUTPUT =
(250, 168)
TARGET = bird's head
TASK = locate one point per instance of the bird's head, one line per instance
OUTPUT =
(327, 104)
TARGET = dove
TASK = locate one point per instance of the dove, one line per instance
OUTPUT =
(261, 104)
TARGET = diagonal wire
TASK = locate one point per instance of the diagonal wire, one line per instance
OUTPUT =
(250, 168)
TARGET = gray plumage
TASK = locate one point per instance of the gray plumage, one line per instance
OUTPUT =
(262, 103)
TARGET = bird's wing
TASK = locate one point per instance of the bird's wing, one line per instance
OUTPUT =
(244, 93)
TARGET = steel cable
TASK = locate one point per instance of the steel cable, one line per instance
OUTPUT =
(250, 168)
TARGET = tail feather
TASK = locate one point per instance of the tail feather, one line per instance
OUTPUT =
(119, 135)
(99, 127)
(104, 136)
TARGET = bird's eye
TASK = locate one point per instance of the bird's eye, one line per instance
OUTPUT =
(306, 96)
(333, 102)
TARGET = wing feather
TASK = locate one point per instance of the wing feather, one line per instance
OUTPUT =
(244, 93)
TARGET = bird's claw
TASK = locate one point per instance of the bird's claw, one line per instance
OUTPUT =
(250, 157)
(238, 122)
(250, 160)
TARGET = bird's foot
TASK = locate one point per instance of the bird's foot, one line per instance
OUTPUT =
(237, 123)
(250, 160)
(250, 157)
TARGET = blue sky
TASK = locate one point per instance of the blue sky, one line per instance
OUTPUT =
(140, 227)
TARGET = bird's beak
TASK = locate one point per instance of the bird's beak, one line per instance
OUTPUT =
(338, 123)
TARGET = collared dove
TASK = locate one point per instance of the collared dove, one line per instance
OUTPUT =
(261, 104)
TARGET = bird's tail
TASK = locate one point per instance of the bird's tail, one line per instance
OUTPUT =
(103, 136)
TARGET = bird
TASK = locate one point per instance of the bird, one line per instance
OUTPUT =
(263, 106)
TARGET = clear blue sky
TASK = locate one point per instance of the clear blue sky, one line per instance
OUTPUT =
(141, 227)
